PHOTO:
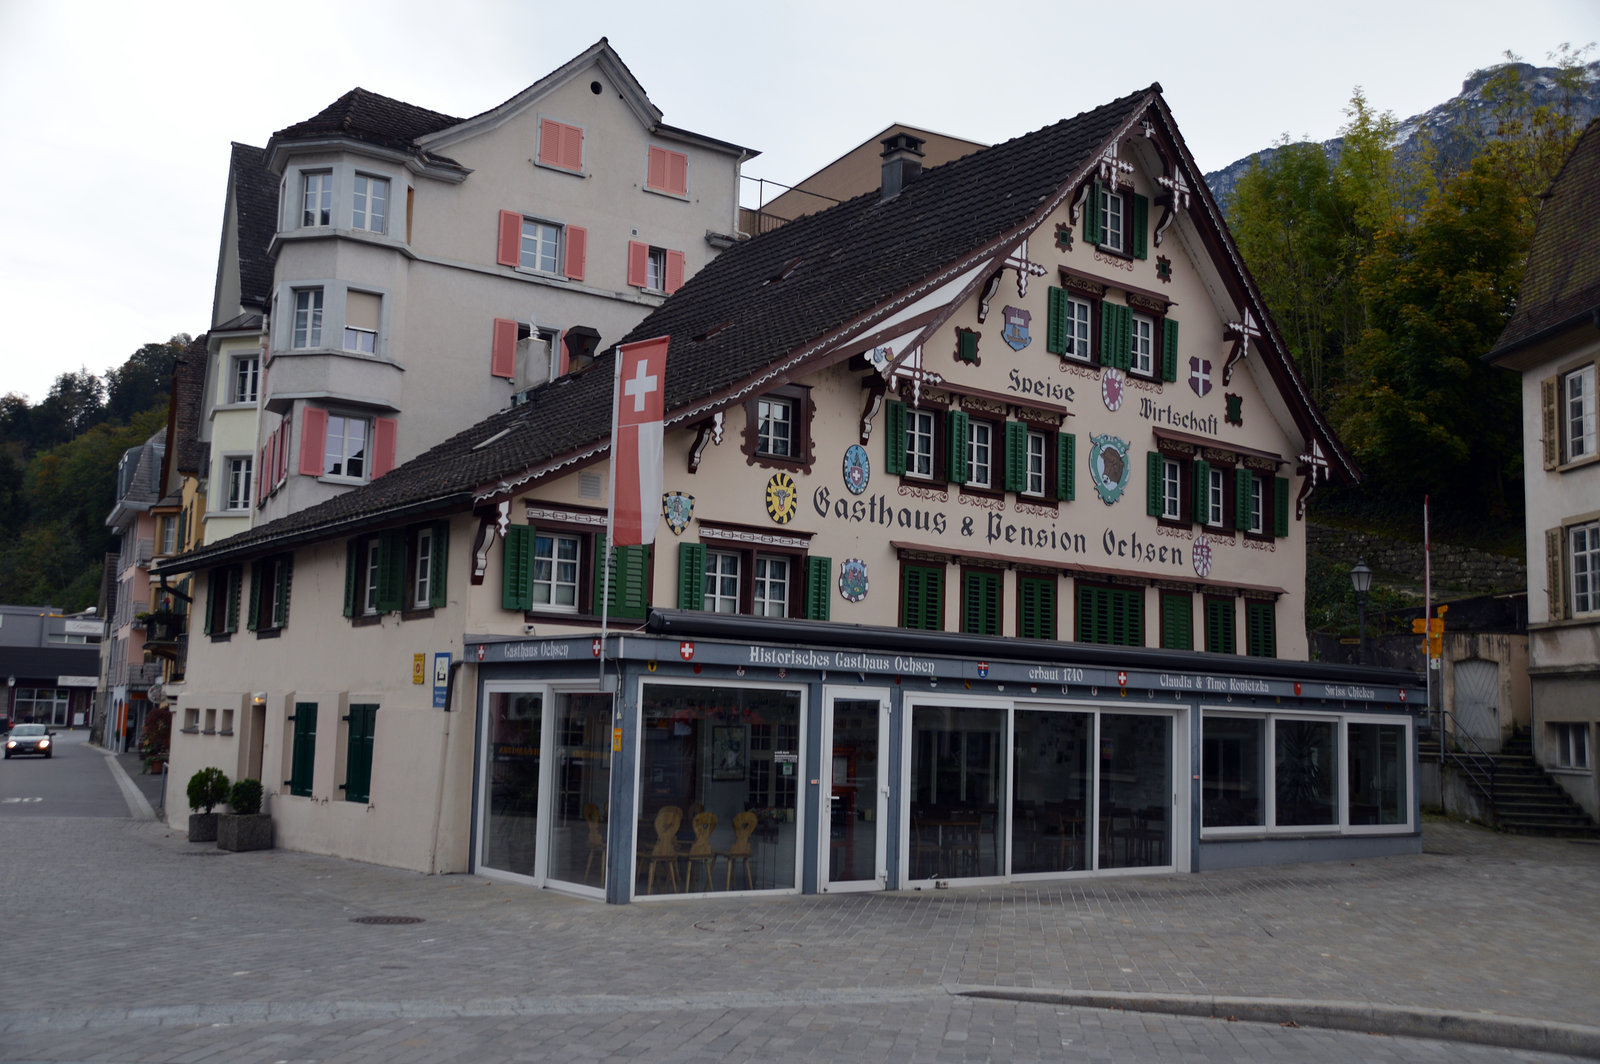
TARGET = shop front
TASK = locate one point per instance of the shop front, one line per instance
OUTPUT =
(690, 761)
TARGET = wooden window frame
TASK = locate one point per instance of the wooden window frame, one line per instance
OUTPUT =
(803, 410)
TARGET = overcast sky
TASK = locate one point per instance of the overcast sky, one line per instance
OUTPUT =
(116, 116)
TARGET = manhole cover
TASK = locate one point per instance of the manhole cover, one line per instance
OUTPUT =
(386, 920)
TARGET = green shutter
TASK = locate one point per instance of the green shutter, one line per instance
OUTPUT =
(391, 571)
(1066, 466)
(1036, 596)
(894, 437)
(956, 425)
(1260, 630)
(1202, 490)
(1091, 215)
(922, 597)
(1055, 340)
(630, 576)
(1177, 622)
(819, 577)
(1108, 333)
(352, 562)
(1127, 621)
(516, 584)
(967, 345)
(255, 596)
(358, 752)
(303, 749)
(280, 615)
(1241, 498)
(1124, 344)
(234, 579)
(691, 576)
(1016, 456)
(1280, 507)
(602, 591)
(1092, 616)
(1152, 464)
(1169, 350)
(980, 604)
(1219, 626)
(211, 597)
(1141, 227)
(437, 591)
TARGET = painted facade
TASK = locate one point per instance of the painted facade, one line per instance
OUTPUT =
(944, 588)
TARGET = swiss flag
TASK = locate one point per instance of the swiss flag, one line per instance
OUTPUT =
(636, 441)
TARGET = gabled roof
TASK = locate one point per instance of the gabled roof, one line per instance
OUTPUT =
(255, 205)
(780, 305)
(372, 119)
(1561, 282)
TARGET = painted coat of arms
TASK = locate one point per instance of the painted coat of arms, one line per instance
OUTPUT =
(1111, 384)
(782, 497)
(1200, 375)
(1109, 466)
(853, 580)
(1016, 330)
(677, 508)
(857, 468)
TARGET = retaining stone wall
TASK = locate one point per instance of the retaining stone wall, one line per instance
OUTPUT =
(1454, 568)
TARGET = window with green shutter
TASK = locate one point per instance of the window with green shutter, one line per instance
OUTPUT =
(1153, 467)
(1280, 507)
(1091, 215)
(894, 437)
(1260, 629)
(1110, 615)
(1116, 336)
(956, 426)
(629, 588)
(1139, 234)
(819, 587)
(922, 597)
(222, 600)
(360, 725)
(980, 602)
(303, 748)
(1066, 466)
(1169, 349)
(270, 580)
(1219, 626)
(1036, 607)
(1177, 621)
(516, 584)
(1016, 474)
(691, 576)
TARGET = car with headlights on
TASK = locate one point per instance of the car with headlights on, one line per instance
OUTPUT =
(29, 739)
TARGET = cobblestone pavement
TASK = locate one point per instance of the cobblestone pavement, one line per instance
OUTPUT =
(125, 942)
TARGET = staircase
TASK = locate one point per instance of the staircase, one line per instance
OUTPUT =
(1522, 796)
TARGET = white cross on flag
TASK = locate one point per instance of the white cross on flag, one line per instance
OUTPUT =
(637, 412)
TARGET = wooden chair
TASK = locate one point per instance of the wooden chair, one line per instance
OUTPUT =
(665, 850)
(744, 825)
(700, 852)
(597, 842)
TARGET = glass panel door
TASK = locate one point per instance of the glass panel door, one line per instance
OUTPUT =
(1136, 800)
(510, 827)
(957, 796)
(580, 806)
(1050, 791)
(853, 824)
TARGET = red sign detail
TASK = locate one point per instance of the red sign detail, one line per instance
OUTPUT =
(1402, 696)
(480, 651)
(1297, 690)
(595, 648)
(1122, 679)
(686, 650)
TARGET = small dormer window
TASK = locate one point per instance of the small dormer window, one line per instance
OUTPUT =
(1110, 219)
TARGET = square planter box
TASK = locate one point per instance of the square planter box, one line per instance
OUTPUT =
(203, 827)
(236, 831)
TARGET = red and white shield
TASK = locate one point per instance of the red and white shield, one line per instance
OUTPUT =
(1122, 679)
(686, 650)
(1402, 696)
(594, 648)
(480, 651)
(1297, 690)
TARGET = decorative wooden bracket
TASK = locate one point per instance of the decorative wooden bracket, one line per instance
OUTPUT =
(710, 432)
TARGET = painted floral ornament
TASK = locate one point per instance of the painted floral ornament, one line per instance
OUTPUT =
(853, 580)
(1201, 553)
(857, 468)
(782, 497)
(1111, 384)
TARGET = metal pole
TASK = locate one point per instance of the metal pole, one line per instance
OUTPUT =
(1361, 628)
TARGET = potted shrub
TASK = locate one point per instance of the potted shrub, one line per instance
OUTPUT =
(247, 827)
(208, 789)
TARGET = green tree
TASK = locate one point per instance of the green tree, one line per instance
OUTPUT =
(144, 380)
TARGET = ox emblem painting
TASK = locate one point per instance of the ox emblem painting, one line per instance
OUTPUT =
(1108, 466)
(782, 498)
(1200, 376)
(677, 508)
(1016, 330)
(857, 468)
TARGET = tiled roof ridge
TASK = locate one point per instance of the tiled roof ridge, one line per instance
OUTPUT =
(359, 112)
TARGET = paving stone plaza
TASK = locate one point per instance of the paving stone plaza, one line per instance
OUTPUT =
(125, 942)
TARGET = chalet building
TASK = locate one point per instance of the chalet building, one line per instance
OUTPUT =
(388, 273)
(981, 558)
(1553, 342)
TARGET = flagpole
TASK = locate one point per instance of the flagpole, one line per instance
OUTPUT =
(611, 510)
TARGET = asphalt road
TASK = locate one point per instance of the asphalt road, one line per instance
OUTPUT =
(75, 781)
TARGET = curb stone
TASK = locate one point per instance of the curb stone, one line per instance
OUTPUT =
(1487, 1029)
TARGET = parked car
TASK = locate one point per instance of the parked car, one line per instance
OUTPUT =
(29, 739)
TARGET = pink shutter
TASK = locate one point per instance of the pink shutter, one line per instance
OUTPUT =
(549, 142)
(509, 251)
(577, 252)
(572, 147)
(674, 271)
(503, 359)
(561, 349)
(313, 440)
(656, 171)
(261, 484)
(384, 430)
(638, 264)
(677, 173)
(281, 473)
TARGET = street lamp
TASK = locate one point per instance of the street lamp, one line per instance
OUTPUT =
(1361, 580)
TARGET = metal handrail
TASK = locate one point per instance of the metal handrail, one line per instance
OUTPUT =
(1469, 763)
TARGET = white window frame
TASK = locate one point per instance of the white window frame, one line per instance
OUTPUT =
(773, 414)
(167, 534)
(548, 240)
(363, 216)
(562, 554)
(1583, 567)
(309, 305)
(316, 199)
(244, 380)
(655, 270)
(1215, 496)
(1571, 738)
(371, 573)
(1171, 489)
(921, 433)
(1037, 464)
(422, 579)
(770, 586)
(1111, 212)
(1578, 413)
(722, 581)
(1142, 358)
(344, 455)
(1078, 332)
(980, 454)
(1257, 505)
(241, 468)
(360, 341)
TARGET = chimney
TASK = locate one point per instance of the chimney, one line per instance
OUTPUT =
(581, 341)
(902, 162)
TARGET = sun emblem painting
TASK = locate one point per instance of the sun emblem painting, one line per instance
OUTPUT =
(1111, 382)
(677, 508)
(1201, 552)
(782, 497)
(1108, 466)
(857, 468)
(853, 580)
